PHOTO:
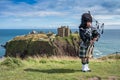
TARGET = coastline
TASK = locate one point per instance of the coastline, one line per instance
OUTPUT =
(105, 40)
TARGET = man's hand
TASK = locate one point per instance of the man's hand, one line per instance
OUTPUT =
(93, 40)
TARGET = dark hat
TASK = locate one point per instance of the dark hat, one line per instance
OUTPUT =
(86, 17)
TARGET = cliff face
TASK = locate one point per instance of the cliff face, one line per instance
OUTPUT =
(43, 45)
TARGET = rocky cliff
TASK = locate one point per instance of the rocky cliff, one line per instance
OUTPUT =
(43, 45)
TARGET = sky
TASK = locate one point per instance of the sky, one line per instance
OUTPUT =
(49, 14)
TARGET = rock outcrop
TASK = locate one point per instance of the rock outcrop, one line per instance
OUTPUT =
(43, 45)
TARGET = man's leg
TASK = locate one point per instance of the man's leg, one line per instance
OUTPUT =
(87, 64)
(83, 61)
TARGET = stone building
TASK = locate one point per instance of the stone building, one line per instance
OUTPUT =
(63, 31)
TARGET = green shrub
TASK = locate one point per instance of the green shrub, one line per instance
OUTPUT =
(31, 60)
(12, 62)
(42, 61)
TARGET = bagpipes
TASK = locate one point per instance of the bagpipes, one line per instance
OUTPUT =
(96, 33)
(99, 27)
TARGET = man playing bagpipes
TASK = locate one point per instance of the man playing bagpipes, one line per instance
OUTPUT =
(89, 35)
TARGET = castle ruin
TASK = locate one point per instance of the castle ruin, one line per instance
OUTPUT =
(63, 31)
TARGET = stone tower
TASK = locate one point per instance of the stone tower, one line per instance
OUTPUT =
(63, 31)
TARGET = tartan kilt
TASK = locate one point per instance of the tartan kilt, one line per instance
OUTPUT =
(86, 52)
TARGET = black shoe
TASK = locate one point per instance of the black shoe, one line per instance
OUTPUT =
(89, 70)
(83, 71)
(86, 71)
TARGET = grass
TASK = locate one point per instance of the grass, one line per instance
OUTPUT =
(58, 69)
(34, 37)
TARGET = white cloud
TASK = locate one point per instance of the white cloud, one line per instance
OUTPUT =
(49, 13)
(70, 9)
(107, 17)
(56, 7)
(112, 23)
(34, 14)
(17, 20)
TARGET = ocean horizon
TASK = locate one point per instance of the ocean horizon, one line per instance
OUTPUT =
(108, 43)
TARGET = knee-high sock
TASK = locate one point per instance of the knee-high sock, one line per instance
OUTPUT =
(87, 61)
(84, 61)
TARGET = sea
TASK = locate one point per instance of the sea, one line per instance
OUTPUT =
(108, 43)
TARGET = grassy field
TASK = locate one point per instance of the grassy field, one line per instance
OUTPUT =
(57, 69)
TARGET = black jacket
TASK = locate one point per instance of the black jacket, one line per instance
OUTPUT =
(87, 34)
